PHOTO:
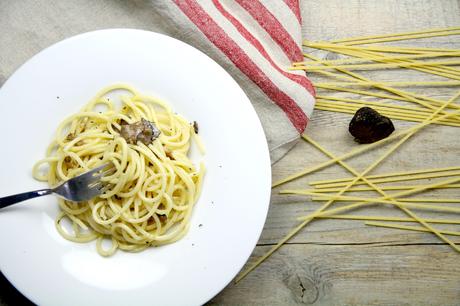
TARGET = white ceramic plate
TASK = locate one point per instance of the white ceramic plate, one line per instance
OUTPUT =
(50, 270)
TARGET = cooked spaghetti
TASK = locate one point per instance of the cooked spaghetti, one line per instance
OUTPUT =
(153, 186)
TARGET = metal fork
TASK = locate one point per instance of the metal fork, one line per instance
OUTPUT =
(83, 187)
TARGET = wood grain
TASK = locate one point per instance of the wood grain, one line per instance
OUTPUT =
(371, 274)
(331, 262)
(344, 262)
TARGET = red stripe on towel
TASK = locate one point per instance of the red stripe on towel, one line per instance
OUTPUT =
(241, 60)
(273, 27)
(295, 8)
(301, 80)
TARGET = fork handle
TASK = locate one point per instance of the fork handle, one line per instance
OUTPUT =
(15, 198)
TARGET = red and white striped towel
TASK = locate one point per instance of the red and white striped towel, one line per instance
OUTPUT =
(255, 41)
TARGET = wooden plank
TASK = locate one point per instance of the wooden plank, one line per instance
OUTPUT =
(343, 262)
(334, 19)
(331, 262)
(350, 275)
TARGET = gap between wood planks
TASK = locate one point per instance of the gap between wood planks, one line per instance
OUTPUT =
(377, 244)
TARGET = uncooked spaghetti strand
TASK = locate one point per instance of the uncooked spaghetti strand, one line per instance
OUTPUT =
(392, 35)
(385, 188)
(342, 163)
(380, 95)
(392, 109)
(372, 166)
(358, 60)
(391, 174)
(387, 110)
(356, 91)
(349, 207)
(368, 169)
(388, 218)
(361, 150)
(394, 84)
(345, 110)
(428, 69)
(412, 97)
(403, 207)
(430, 200)
(443, 71)
(378, 48)
(368, 201)
(403, 96)
(417, 109)
(398, 38)
(410, 228)
(409, 96)
(397, 179)
(390, 115)
(348, 168)
(327, 66)
(309, 218)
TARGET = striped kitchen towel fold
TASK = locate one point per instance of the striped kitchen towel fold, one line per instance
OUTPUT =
(255, 41)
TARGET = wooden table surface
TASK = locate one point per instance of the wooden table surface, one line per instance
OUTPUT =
(337, 262)
(343, 262)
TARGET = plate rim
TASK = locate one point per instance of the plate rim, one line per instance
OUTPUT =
(29, 294)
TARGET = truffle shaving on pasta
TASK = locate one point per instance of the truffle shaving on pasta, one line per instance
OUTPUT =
(153, 185)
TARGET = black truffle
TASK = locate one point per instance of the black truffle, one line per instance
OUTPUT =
(369, 126)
